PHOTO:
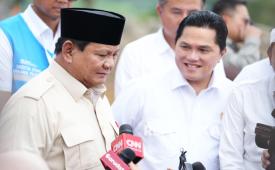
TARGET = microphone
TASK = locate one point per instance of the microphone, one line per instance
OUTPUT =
(126, 139)
(198, 166)
(112, 161)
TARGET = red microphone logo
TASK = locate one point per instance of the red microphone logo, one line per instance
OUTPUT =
(126, 139)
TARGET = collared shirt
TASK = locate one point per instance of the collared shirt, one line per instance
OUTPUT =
(250, 103)
(148, 55)
(168, 115)
(255, 71)
(57, 117)
(41, 32)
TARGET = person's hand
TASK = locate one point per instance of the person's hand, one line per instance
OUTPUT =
(133, 166)
(265, 159)
(252, 31)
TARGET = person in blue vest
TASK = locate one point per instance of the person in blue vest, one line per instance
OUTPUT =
(27, 43)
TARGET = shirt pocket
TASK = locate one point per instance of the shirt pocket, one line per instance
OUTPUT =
(80, 148)
(214, 131)
(161, 139)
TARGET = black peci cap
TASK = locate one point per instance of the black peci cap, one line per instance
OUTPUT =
(92, 25)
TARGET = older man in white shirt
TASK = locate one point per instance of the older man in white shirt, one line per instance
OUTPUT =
(252, 102)
(181, 108)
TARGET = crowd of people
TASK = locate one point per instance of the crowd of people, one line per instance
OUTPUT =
(197, 84)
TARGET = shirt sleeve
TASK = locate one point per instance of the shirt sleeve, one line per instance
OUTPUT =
(5, 63)
(23, 125)
(126, 69)
(231, 145)
(127, 106)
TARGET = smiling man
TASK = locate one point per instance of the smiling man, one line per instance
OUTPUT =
(181, 108)
(154, 52)
(63, 114)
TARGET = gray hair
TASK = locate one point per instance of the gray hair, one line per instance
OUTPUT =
(163, 2)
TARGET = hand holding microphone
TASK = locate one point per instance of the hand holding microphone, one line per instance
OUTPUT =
(126, 139)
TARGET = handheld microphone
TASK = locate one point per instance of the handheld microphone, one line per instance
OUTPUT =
(126, 139)
(198, 166)
(194, 166)
(112, 161)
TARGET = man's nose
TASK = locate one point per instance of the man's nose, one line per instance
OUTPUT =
(109, 63)
(193, 55)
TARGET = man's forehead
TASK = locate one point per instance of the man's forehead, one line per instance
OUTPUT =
(98, 46)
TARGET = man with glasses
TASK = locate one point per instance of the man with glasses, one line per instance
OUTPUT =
(252, 102)
(240, 31)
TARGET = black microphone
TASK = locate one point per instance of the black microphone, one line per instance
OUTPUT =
(198, 166)
(127, 155)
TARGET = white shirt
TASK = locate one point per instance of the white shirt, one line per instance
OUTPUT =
(41, 32)
(251, 103)
(255, 71)
(148, 55)
(168, 115)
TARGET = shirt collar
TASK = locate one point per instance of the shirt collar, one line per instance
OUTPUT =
(216, 81)
(35, 23)
(94, 93)
(75, 87)
(72, 85)
(177, 80)
(161, 43)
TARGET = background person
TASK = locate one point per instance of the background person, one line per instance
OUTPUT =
(27, 44)
(240, 30)
(251, 102)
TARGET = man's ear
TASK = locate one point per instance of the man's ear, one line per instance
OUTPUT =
(226, 17)
(67, 49)
(269, 52)
(159, 9)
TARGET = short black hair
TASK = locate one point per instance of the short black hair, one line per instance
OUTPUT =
(206, 19)
(223, 6)
(80, 44)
